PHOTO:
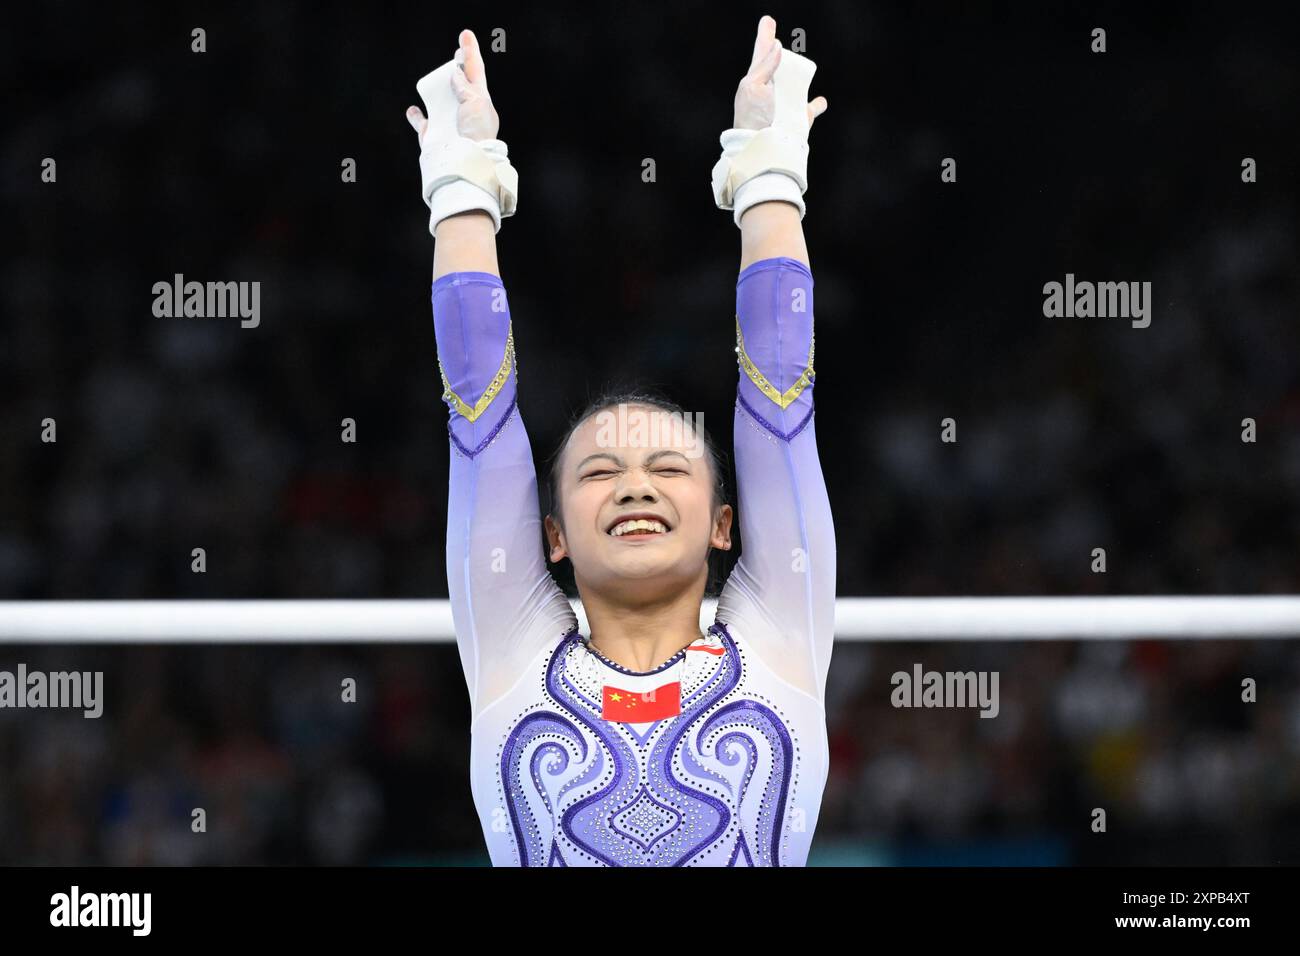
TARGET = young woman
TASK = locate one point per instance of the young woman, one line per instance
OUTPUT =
(645, 742)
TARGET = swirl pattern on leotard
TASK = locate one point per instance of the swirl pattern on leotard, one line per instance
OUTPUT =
(581, 789)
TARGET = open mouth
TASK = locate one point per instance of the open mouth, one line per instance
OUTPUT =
(637, 527)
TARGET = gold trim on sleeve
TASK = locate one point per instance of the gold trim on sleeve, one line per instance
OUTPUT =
(783, 399)
(498, 382)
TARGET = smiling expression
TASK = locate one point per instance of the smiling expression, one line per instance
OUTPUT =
(641, 511)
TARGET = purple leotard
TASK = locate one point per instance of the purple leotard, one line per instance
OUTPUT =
(734, 775)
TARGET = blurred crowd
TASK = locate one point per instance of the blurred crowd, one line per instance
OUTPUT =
(1072, 434)
(260, 740)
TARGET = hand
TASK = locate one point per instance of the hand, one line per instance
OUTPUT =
(476, 118)
(756, 95)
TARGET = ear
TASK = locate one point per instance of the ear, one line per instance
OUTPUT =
(721, 537)
(555, 540)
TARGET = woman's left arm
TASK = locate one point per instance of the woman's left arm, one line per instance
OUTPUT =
(771, 230)
(781, 595)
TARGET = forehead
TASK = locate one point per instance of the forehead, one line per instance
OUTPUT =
(632, 432)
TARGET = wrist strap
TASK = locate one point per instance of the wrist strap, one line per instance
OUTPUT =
(459, 174)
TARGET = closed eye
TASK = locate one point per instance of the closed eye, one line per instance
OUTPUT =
(596, 474)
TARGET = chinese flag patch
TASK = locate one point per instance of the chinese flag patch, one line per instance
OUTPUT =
(641, 706)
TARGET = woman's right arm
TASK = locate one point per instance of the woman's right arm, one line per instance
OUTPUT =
(465, 243)
(506, 606)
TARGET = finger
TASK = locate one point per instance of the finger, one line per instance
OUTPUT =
(475, 70)
(763, 41)
(767, 66)
(417, 120)
(816, 108)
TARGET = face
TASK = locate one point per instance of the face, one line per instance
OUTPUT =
(656, 469)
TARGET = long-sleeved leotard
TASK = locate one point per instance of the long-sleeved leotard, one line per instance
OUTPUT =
(719, 756)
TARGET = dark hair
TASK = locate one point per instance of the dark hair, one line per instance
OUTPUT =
(649, 397)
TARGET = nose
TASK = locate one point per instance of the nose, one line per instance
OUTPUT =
(636, 484)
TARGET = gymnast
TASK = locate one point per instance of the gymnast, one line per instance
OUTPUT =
(646, 742)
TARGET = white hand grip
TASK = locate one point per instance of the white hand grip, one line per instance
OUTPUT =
(771, 163)
(458, 174)
(440, 103)
(791, 80)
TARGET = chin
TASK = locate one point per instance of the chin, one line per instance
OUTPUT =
(641, 566)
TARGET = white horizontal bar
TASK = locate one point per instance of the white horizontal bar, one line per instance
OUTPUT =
(856, 619)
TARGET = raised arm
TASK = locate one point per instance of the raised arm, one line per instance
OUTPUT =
(506, 605)
(781, 594)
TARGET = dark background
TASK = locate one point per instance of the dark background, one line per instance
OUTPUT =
(1073, 433)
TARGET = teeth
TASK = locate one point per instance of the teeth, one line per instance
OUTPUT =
(641, 524)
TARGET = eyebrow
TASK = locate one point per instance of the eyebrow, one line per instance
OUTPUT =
(650, 459)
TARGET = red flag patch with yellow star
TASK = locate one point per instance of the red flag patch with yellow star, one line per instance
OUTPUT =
(640, 706)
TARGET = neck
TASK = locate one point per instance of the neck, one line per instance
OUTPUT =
(643, 636)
